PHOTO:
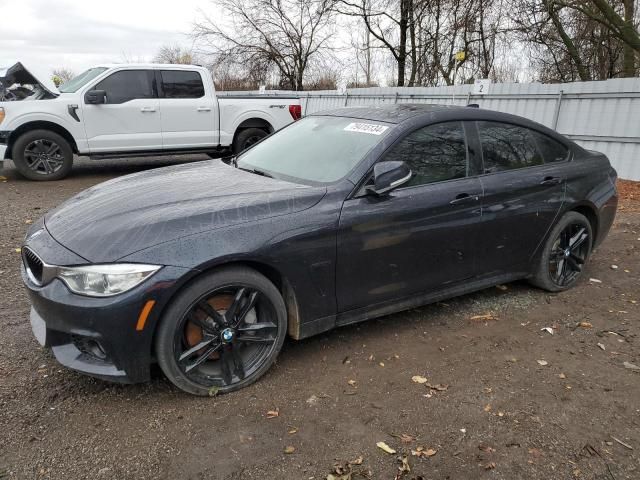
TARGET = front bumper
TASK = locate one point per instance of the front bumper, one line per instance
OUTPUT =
(4, 142)
(98, 336)
(3, 151)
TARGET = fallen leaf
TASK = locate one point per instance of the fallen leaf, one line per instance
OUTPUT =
(481, 318)
(419, 379)
(502, 287)
(357, 461)
(18, 250)
(312, 400)
(631, 366)
(352, 383)
(383, 446)
(562, 375)
(423, 452)
(404, 467)
(213, 391)
(487, 407)
(535, 452)
(601, 345)
(404, 438)
(490, 466)
(2, 179)
(381, 364)
(439, 387)
(614, 267)
(585, 325)
(273, 413)
(289, 449)
(501, 414)
(595, 280)
(28, 222)
(486, 448)
(544, 363)
(547, 329)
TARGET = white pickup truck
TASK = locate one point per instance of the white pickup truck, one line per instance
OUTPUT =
(129, 110)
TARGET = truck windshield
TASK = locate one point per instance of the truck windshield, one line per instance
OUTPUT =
(81, 80)
(314, 150)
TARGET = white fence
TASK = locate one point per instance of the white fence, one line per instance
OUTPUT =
(603, 116)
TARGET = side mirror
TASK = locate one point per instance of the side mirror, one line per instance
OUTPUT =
(387, 176)
(95, 97)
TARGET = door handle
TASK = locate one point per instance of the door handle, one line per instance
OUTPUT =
(465, 197)
(147, 109)
(551, 181)
(204, 109)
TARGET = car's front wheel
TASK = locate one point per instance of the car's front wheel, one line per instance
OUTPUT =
(42, 155)
(222, 332)
(565, 253)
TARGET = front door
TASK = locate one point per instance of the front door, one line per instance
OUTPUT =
(524, 187)
(130, 118)
(421, 236)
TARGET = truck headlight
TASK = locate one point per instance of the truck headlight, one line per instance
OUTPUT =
(105, 280)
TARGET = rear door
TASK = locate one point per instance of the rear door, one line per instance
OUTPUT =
(421, 237)
(189, 113)
(524, 186)
(130, 118)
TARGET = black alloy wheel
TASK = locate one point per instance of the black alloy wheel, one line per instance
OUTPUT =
(228, 335)
(565, 253)
(42, 155)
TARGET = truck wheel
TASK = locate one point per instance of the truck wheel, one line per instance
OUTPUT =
(42, 155)
(247, 137)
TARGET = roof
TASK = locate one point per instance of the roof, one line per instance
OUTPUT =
(396, 113)
(148, 65)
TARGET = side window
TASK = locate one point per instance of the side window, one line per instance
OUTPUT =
(127, 85)
(551, 150)
(182, 84)
(434, 153)
(507, 147)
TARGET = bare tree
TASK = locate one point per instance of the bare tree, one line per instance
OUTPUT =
(62, 75)
(391, 23)
(174, 54)
(287, 35)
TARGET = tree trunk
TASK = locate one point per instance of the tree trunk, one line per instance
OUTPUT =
(629, 55)
(402, 48)
(583, 72)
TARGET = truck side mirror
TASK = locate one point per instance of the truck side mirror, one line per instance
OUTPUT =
(95, 97)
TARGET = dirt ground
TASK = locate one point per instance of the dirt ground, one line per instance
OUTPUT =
(503, 399)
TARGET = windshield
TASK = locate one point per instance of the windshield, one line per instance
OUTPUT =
(315, 149)
(81, 80)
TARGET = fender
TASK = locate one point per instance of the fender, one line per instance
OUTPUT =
(75, 129)
(227, 134)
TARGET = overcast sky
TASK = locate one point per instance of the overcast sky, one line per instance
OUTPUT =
(76, 34)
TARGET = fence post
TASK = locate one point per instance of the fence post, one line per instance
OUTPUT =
(556, 113)
(346, 98)
(468, 96)
(396, 99)
(306, 103)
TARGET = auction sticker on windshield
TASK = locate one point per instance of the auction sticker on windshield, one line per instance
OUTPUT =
(370, 128)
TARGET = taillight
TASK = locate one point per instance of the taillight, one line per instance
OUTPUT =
(295, 111)
(2, 113)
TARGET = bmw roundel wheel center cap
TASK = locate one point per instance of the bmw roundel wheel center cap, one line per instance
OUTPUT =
(227, 335)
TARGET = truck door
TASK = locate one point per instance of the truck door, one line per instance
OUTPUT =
(189, 112)
(129, 120)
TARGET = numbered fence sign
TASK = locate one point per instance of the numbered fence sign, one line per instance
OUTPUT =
(481, 86)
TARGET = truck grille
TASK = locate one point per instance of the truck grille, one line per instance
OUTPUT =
(33, 264)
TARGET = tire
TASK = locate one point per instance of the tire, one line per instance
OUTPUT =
(42, 155)
(568, 233)
(189, 321)
(247, 138)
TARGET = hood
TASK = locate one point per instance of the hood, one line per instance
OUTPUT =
(134, 212)
(19, 74)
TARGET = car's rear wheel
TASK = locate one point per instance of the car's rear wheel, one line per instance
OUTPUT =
(42, 155)
(247, 138)
(222, 332)
(565, 253)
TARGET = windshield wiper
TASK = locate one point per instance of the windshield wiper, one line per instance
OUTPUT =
(256, 171)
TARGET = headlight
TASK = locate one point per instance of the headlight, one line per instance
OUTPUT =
(105, 280)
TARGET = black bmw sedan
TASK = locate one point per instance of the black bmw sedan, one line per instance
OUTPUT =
(346, 215)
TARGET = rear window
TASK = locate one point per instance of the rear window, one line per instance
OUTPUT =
(551, 150)
(182, 84)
